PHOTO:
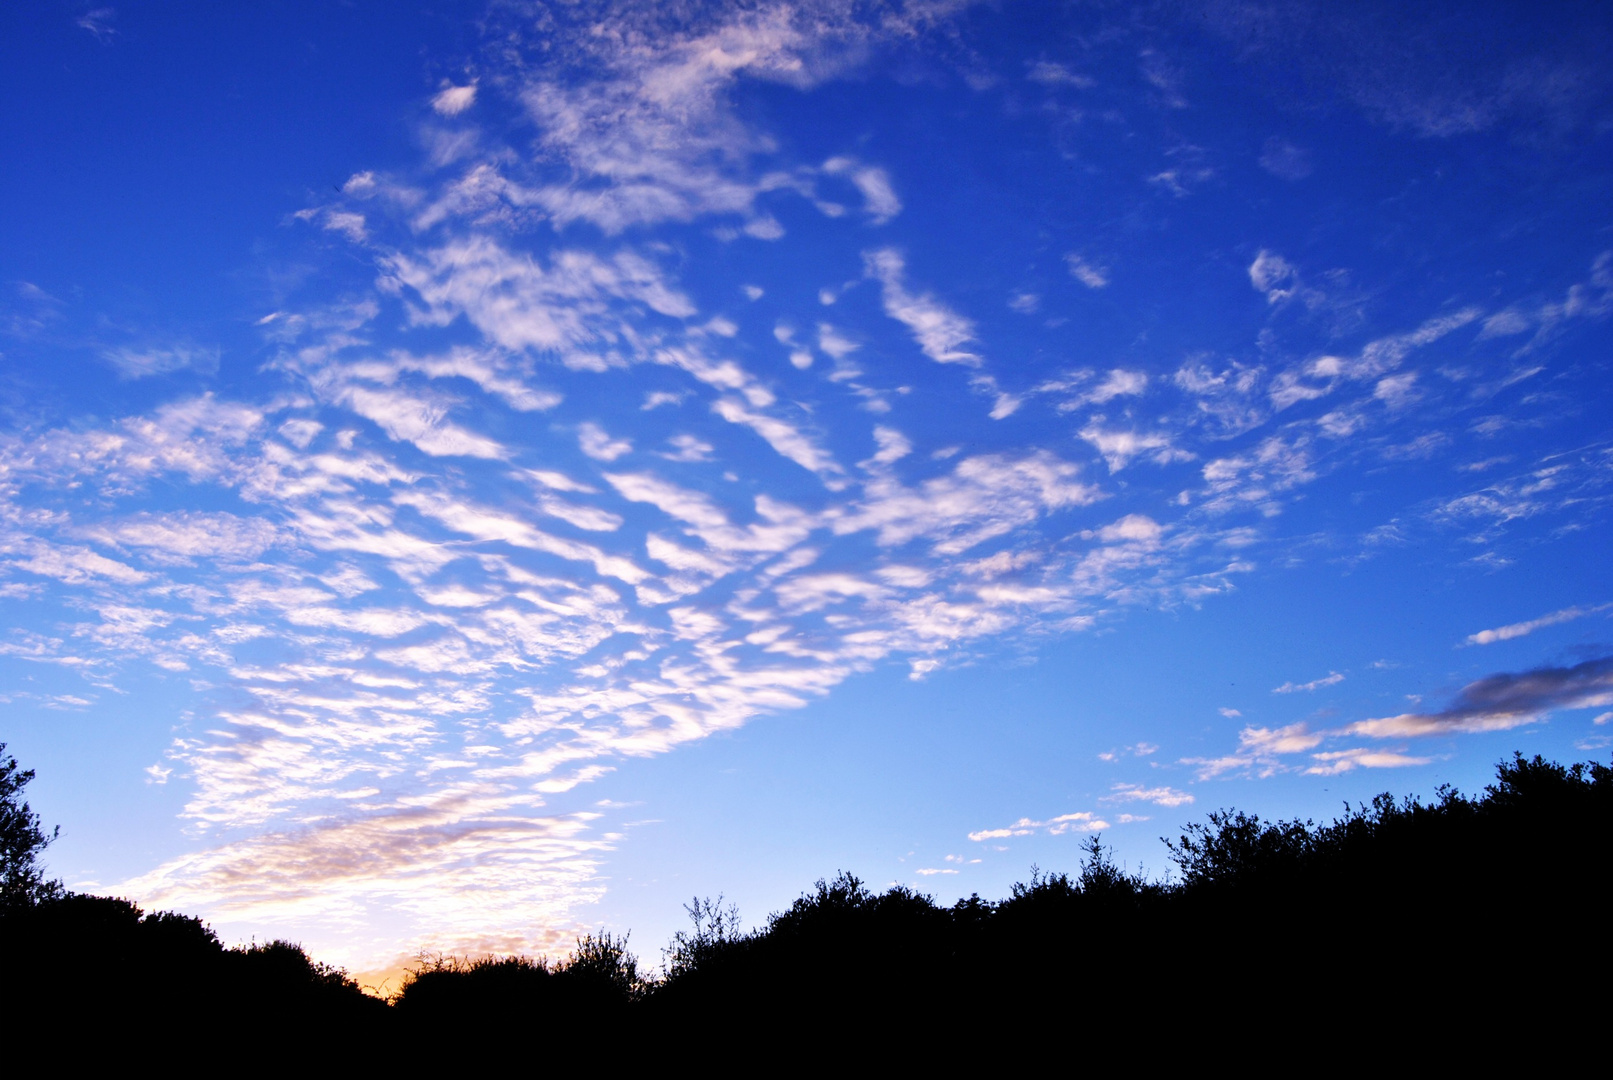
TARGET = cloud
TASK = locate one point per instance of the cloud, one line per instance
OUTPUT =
(502, 375)
(1076, 389)
(453, 100)
(98, 21)
(1319, 377)
(1334, 762)
(70, 564)
(1051, 74)
(1332, 678)
(1523, 629)
(179, 538)
(1159, 796)
(1088, 274)
(141, 363)
(983, 497)
(1273, 466)
(418, 419)
(1118, 446)
(688, 448)
(594, 442)
(650, 137)
(1259, 750)
(940, 332)
(1500, 702)
(1084, 821)
(565, 308)
(785, 438)
(879, 198)
(1284, 160)
(1269, 273)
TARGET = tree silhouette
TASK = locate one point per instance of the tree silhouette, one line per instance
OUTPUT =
(22, 880)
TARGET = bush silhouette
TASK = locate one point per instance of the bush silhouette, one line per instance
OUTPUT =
(1473, 919)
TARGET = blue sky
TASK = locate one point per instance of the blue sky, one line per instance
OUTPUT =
(473, 473)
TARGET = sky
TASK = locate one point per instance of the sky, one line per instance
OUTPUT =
(473, 474)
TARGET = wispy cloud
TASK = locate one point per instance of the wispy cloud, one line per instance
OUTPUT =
(879, 198)
(98, 21)
(1523, 629)
(1332, 678)
(941, 333)
(137, 363)
(1159, 796)
(1089, 274)
(1083, 821)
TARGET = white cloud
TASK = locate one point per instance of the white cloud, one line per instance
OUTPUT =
(1333, 678)
(785, 438)
(70, 564)
(1077, 389)
(420, 420)
(1088, 274)
(1159, 796)
(1135, 528)
(879, 198)
(1083, 821)
(688, 448)
(1319, 377)
(565, 308)
(133, 363)
(300, 432)
(1523, 629)
(1397, 391)
(940, 332)
(185, 535)
(1269, 273)
(656, 398)
(1334, 762)
(1259, 750)
(1026, 303)
(983, 497)
(594, 442)
(453, 100)
(1119, 446)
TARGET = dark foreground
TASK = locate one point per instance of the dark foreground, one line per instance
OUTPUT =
(1471, 929)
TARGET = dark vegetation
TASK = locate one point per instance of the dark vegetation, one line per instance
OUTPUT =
(1464, 925)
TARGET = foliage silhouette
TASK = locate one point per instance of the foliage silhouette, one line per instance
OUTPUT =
(22, 840)
(1470, 919)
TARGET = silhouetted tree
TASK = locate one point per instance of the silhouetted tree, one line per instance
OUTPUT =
(22, 879)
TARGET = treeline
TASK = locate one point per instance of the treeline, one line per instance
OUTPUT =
(1461, 923)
